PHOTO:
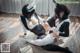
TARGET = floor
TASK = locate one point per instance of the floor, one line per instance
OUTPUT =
(11, 29)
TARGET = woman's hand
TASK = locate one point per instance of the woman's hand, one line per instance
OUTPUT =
(56, 34)
(46, 26)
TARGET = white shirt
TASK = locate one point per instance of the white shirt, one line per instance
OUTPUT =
(34, 21)
(31, 24)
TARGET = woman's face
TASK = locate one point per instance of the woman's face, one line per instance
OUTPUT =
(61, 14)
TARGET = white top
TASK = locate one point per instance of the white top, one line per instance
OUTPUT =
(34, 21)
(31, 24)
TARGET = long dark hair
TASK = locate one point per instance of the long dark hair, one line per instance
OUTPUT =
(62, 8)
(25, 11)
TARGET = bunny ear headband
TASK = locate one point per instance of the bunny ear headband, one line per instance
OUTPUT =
(32, 6)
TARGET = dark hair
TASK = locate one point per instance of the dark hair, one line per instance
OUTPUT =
(62, 8)
(25, 10)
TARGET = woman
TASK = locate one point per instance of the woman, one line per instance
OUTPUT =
(30, 20)
(61, 21)
(61, 13)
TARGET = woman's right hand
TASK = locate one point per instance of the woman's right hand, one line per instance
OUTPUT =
(46, 26)
(55, 34)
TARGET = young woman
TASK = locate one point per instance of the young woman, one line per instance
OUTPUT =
(30, 20)
(61, 23)
(61, 29)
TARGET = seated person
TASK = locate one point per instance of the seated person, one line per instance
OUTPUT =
(60, 23)
(31, 21)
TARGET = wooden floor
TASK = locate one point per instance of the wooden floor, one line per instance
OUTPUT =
(11, 28)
